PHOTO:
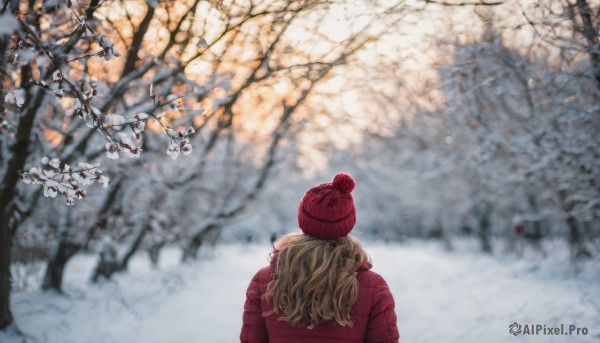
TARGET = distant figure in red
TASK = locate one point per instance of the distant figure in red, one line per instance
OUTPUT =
(518, 229)
(319, 286)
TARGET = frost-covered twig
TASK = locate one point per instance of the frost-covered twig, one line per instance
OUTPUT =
(71, 183)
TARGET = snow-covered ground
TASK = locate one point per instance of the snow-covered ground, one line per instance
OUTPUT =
(441, 296)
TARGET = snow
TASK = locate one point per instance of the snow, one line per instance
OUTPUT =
(440, 296)
(114, 121)
(16, 96)
(8, 23)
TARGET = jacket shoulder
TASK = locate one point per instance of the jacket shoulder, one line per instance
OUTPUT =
(368, 278)
(263, 276)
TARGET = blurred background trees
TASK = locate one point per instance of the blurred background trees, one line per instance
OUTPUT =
(211, 118)
(490, 122)
(221, 83)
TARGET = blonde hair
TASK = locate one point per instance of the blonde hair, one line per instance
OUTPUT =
(315, 279)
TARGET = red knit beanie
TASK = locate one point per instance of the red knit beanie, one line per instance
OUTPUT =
(327, 211)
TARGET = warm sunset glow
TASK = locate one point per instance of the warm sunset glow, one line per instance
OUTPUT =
(54, 137)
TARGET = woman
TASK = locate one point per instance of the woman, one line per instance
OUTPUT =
(319, 286)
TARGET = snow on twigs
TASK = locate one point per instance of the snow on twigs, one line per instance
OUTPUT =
(71, 183)
(114, 121)
(108, 48)
(16, 97)
(180, 142)
(122, 144)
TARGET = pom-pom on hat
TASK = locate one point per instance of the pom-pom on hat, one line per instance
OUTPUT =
(327, 210)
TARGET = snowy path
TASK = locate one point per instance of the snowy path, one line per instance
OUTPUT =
(440, 297)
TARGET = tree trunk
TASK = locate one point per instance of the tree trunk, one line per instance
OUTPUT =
(124, 263)
(578, 250)
(5, 247)
(8, 190)
(136, 42)
(535, 236)
(109, 262)
(190, 252)
(589, 22)
(485, 230)
(56, 265)
(154, 253)
(107, 265)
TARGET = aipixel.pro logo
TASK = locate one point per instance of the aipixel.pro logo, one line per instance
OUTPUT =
(539, 329)
(514, 328)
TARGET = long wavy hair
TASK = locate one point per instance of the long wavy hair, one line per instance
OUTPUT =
(315, 279)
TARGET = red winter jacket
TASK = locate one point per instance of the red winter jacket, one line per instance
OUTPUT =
(374, 319)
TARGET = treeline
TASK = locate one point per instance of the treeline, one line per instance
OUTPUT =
(180, 109)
